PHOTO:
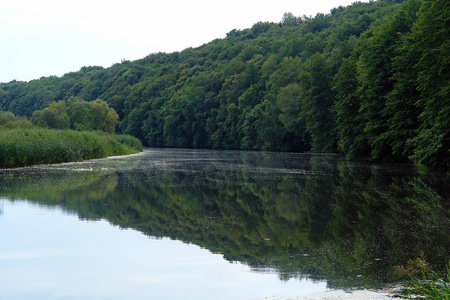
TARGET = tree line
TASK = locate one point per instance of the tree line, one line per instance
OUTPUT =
(370, 81)
(75, 113)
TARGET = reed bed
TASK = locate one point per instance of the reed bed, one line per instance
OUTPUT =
(431, 286)
(25, 147)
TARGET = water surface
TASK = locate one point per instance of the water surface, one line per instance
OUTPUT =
(200, 224)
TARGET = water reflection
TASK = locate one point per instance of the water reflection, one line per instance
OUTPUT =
(301, 216)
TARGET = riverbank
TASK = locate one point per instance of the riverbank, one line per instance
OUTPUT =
(26, 147)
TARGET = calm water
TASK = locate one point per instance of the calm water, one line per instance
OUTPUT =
(193, 224)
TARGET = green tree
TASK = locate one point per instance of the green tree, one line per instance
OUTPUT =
(9, 120)
(290, 103)
(51, 117)
(429, 37)
(351, 138)
(289, 20)
(182, 120)
(6, 117)
(102, 117)
(134, 121)
(2, 98)
(401, 102)
(286, 73)
(112, 120)
(318, 103)
(375, 71)
(153, 127)
(59, 106)
(78, 111)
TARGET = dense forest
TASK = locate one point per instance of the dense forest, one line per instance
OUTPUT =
(370, 81)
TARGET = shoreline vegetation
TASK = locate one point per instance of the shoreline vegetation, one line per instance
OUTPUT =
(26, 146)
(63, 132)
(367, 81)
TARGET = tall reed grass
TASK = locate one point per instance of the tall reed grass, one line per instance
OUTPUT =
(431, 286)
(423, 282)
(25, 147)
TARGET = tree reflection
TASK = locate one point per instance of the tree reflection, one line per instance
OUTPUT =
(303, 216)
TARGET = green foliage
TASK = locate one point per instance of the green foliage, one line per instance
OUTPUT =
(373, 80)
(9, 121)
(102, 117)
(289, 20)
(23, 143)
(128, 140)
(25, 147)
(317, 109)
(289, 103)
(429, 41)
(351, 139)
(77, 114)
(51, 117)
(184, 125)
(401, 102)
(78, 111)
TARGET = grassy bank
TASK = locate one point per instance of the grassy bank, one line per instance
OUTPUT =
(25, 147)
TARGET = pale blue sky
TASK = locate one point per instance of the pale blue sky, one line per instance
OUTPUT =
(53, 37)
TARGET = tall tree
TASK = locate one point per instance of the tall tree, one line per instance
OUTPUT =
(400, 103)
(290, 103)
(430, 38)
(351, 138)
(78, 111)
(102, 117)
(318, 104)
(51, 117)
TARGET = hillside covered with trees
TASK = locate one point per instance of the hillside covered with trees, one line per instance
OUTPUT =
(368, 81)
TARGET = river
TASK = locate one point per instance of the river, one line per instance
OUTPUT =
(205, 224)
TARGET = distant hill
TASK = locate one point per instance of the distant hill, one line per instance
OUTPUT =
(370, 80)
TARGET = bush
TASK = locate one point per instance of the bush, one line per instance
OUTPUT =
(9, 121)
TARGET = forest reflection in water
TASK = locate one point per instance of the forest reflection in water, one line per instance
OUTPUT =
(299, 215)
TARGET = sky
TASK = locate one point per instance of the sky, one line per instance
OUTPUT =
(54, 37)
